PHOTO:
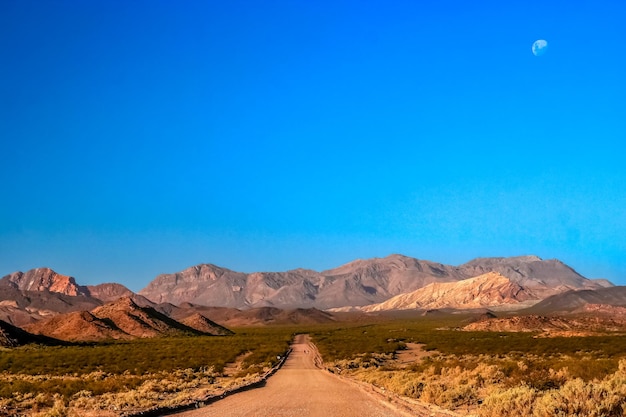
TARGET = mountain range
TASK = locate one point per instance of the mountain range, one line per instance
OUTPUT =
(358, 283)
(196, 299)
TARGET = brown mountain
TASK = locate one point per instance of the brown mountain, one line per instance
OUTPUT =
(358, 283)
(28, 297)
(78, 326)
(44, 279)
(121, 319)
(487, 290)
(140, 321)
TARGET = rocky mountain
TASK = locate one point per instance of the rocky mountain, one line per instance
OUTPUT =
(41, 293)
(140, 321)
(44, 279)
(27, 297)
(358, 283)
(487, 290)
(78, 326)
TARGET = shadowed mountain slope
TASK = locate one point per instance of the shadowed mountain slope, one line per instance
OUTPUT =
(573, 301)
(12, 336)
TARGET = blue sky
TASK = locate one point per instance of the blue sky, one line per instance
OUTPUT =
(144, 137)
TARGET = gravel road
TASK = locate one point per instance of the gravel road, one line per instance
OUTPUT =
(299, 389)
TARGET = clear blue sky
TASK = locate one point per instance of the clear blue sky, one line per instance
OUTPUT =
(143, 137)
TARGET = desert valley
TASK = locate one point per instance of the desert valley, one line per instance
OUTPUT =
(518, 336)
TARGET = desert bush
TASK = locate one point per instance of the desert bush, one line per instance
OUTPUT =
(514, 402)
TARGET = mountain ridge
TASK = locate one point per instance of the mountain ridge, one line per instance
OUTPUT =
(356, 283)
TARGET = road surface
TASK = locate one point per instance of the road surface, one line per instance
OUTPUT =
(300, 389)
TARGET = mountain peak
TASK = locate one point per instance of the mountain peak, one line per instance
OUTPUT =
(44, 279)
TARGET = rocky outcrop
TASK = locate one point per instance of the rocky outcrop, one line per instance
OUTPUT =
(44, 279)
(487, 290)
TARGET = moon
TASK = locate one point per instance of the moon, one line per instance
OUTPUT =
(539, 47)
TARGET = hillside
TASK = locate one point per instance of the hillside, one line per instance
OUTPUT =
(12, 336)
(78, 326)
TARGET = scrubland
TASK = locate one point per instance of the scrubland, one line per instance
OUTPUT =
(482, 373)
(117, 377)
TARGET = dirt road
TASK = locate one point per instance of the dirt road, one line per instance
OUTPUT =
(298, 389)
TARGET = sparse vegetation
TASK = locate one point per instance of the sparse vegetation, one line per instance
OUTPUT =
(133, 375)
(485, 373)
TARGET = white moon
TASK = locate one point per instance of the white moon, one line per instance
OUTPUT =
(539, 47)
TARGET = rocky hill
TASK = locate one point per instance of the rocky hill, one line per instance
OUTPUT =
(122, 319)
(78, 326)
(487, 290)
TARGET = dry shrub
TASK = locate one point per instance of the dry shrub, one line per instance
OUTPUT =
(598, 398)
(514, 402)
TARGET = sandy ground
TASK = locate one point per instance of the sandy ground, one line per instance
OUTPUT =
(413, 353)
(300, 388)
